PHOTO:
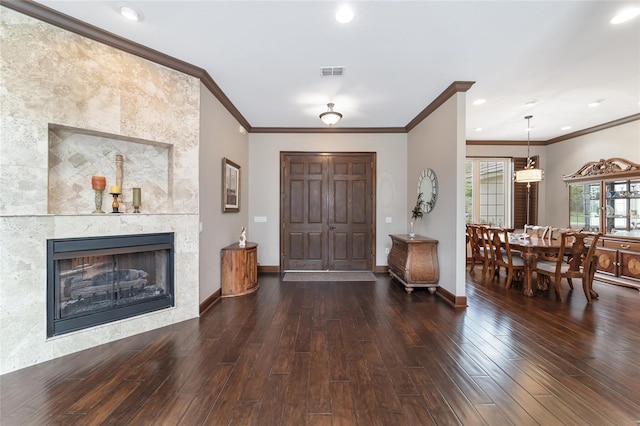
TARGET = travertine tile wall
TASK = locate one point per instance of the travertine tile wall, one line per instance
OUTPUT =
(50, 76)
(74, 157)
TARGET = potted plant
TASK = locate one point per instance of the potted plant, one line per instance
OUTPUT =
(416, 213)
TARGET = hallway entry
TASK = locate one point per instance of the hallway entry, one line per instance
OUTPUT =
(327, 211)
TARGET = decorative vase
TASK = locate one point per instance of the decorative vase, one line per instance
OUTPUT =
(98, 200)
(412, 234)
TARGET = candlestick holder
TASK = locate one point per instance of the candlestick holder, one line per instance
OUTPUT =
(98, 200)
(115, 205)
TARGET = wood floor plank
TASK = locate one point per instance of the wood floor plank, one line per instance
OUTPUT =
(228, 399)
(202, 403)
(365, 404)
(253, 387)
(389, 407)
(342, 404)
(284, 357)
(303, 334)
(514, 412)
(436, 404)
(354, 353)
(455, 397)
(273, 399)
(415, 410)
(492, 415)
(295, 405)
(338, 368)
(319, 399)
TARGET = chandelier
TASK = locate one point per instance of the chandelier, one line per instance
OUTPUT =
(530, 173)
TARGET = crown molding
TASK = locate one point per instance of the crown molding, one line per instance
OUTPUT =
(504, 143)
(455, 87)
(594, 129)
(568, 136)
(328, 130)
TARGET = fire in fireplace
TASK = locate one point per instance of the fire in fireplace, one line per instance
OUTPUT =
(92, 281)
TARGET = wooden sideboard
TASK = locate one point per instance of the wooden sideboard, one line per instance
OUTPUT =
(414, 262)
(619, 261)
(239, 269)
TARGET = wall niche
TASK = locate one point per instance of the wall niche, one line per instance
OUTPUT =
(77, 154)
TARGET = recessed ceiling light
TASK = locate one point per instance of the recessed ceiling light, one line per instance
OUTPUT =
(129, 11)
(625, 15)
(595, 103)
(565, 128)
(479, 101)
(478, 129)
(345, 14)
(532, 102)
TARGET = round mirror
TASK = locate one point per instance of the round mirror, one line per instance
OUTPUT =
(428, 187)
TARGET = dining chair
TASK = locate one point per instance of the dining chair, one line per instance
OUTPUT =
(580, 249)
(480, 252)
(502, 256)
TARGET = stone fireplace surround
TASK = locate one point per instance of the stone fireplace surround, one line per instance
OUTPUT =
(23, 272)
(52, 77)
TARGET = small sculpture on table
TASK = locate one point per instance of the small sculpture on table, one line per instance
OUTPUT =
(242, 241)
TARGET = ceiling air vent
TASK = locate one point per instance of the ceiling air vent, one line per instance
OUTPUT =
(327, 71)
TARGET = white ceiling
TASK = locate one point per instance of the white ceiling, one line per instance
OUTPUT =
(398, 57)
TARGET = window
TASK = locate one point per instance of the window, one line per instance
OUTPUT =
(488, 191)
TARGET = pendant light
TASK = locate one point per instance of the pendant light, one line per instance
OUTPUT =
(530, 173)
(330, 117)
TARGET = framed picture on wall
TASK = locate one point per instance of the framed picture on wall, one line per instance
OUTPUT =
(230, 186)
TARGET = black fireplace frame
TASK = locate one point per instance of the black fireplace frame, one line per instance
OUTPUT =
(58, 249)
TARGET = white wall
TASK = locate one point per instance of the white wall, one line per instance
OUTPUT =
(568, 156)
(264, 183)
(438, 143)
(219, 138)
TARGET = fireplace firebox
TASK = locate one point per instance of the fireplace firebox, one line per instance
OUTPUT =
(96, 280)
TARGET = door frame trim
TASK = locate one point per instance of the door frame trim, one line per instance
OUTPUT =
(374, 167)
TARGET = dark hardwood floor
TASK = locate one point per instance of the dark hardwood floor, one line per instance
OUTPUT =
(356, 353)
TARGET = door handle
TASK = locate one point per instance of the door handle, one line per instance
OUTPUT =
(332, 227)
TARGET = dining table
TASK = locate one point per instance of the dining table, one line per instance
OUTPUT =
(530, 248)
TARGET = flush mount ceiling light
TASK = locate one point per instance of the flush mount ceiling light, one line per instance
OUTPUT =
(330, 117)
(129, 11)
(344, 15)
(530, 173)
(625, 15)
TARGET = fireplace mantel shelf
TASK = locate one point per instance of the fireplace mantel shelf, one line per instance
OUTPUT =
(97, 216)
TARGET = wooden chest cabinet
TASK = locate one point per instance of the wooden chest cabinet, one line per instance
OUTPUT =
(239, 269)
(414, 262)
(619, 261)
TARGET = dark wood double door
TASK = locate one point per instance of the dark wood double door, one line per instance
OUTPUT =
(327, 211)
